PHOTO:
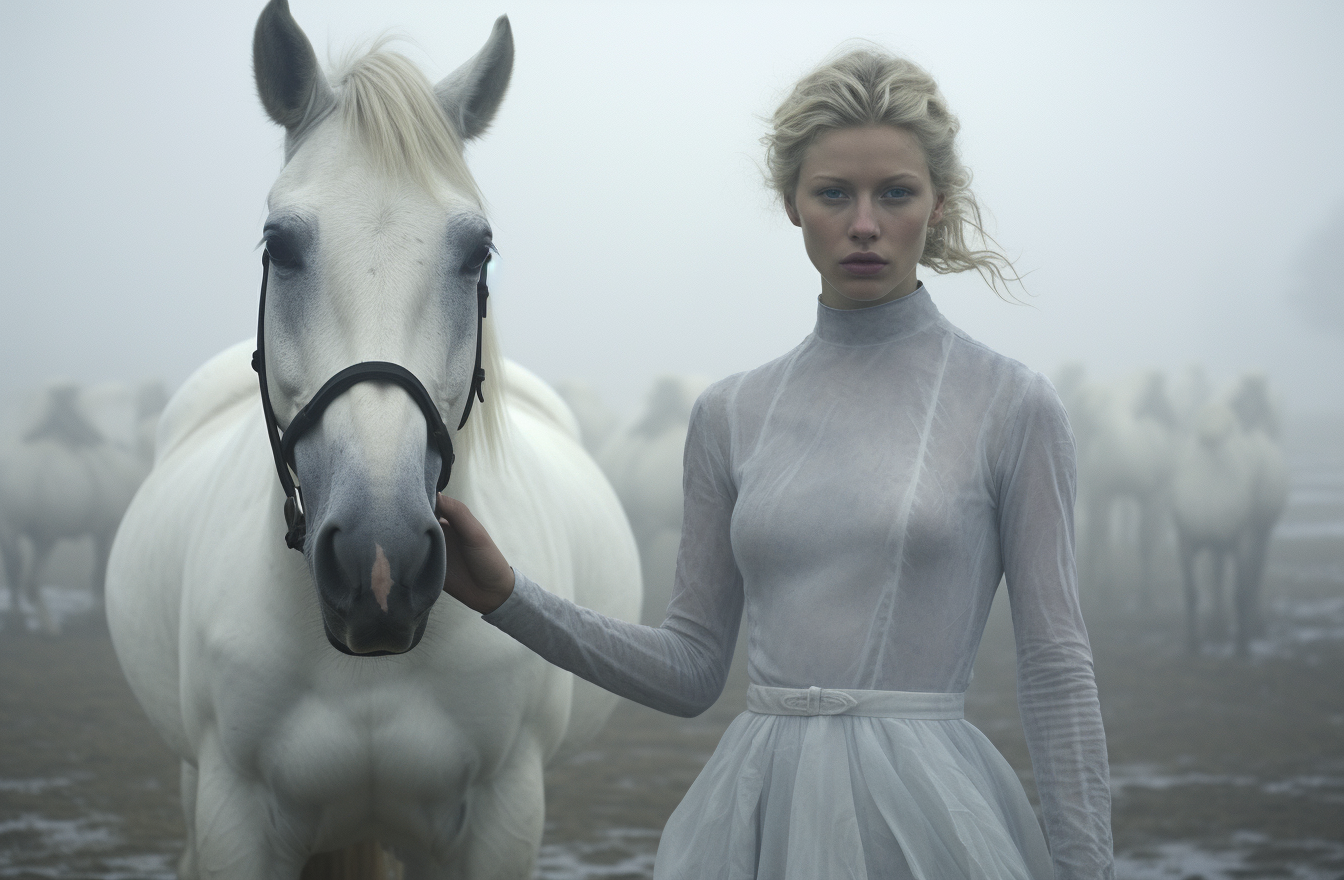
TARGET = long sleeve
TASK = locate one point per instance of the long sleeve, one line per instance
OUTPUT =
(679, 667)
(1057, 691)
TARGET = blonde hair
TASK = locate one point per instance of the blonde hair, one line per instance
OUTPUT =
(868, 86)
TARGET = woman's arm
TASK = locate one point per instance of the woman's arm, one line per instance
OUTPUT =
(679, 667)
(1057, 691)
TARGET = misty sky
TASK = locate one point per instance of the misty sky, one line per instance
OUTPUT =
(1170, 176)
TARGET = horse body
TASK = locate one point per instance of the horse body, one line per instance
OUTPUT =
(1212, 499)
(1127, 446)
(1229, 489)
(438, 752)
(64, 480)
(433, 736)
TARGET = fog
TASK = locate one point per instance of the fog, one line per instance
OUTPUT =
(1167, 177)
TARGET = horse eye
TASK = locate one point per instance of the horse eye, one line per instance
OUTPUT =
(284, 254)
(478, 258)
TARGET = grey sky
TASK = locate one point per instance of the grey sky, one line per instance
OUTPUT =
(1169, 175)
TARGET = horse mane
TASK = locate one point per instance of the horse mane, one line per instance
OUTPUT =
(387, 103)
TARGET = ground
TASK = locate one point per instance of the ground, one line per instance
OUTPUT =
(1221, 767)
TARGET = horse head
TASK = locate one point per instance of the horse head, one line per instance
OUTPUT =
(376, 239)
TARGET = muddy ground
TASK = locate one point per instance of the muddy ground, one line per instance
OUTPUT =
(1222, 767)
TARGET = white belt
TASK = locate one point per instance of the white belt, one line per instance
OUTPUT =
(838, 701)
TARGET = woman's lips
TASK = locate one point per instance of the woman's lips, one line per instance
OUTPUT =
(863, 264)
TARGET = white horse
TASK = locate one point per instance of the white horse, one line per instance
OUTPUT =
(1229, 490)
(1127, 437)
(1258, 415)
(596, 421)
(643, 461)
(62, 480)
(434, 741)
(127, 415)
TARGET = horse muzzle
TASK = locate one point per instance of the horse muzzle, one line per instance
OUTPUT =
(378, 573)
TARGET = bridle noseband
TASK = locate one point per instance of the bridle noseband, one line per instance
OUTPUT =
(283, 441)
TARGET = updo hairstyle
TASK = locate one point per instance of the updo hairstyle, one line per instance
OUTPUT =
(868, 86)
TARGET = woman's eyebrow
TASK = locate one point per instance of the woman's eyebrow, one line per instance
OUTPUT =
(832, 178)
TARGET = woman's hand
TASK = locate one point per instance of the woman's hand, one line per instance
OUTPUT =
(478, 574)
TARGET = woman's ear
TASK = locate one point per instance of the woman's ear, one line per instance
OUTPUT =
(936, 217)
(792, 211)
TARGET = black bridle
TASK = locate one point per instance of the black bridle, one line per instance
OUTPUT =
(283, 441)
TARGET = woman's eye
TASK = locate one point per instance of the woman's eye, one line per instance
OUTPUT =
(832, 193)
(896, 192)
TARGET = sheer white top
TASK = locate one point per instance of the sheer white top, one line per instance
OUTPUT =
(862, 496)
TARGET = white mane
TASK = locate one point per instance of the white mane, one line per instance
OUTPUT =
(385, 101)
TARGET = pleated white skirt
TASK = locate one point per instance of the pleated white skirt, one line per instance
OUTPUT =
(813, 784)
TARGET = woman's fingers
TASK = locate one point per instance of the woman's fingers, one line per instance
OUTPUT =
(477, 573)
(464, 523)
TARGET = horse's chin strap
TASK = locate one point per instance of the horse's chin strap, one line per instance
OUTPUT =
(283, 441)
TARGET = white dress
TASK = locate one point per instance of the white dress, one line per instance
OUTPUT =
(862, 496)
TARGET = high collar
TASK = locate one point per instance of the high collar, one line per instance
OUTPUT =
(875, 325)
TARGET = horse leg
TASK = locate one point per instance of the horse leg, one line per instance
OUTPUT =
(505, 822)
(1218, 611)
(102, 548)
(32, 587)
(1093, 579)
(1149, 512)
(186, 866)
(13, 562)
(240, 831)
(1257, 556)
(1187, 551)
(1246, 568)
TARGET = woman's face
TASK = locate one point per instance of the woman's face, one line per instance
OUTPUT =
(864, 202)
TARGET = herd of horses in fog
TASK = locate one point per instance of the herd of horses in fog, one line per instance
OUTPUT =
(1175, 464)
(1164, 467)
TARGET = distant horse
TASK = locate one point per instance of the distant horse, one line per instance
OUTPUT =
(325, 702)
(1212, 495)
(643, 462)
(127, 415)
(1127, 437)
(63, 480)
(1229, 489)
(1258, 415)
(596, 421)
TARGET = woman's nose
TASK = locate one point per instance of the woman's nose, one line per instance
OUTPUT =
(864, 225)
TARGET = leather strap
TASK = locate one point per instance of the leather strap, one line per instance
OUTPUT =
(283, 441)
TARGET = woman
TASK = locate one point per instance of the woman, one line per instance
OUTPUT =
(861, 496)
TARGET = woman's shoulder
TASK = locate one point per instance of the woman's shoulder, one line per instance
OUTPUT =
(989, 361)
(1019, 410)
(1021, 391)
(727, 397)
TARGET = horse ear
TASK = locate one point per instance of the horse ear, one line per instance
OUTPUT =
(471, 94)
(289, 81)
